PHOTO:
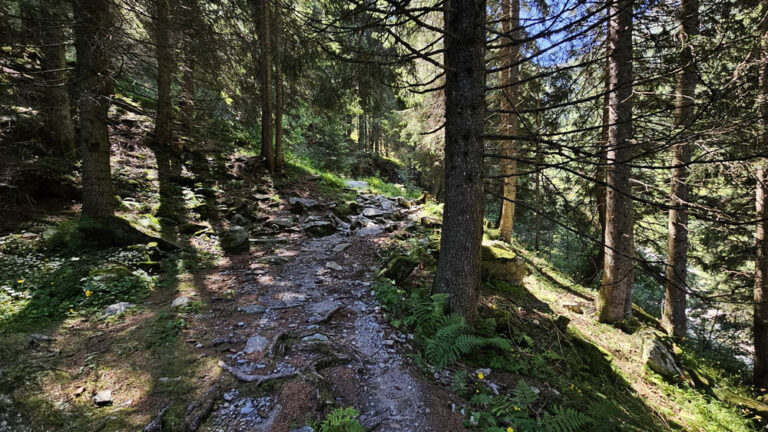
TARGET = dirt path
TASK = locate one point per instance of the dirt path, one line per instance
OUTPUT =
(307, 307)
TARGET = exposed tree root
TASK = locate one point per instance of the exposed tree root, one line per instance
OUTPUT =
(258, 379)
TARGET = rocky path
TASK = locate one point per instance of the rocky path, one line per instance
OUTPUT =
(305, 309)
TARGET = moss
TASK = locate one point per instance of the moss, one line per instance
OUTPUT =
(495, 251)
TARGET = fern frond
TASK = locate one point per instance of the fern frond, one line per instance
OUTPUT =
(565, 420)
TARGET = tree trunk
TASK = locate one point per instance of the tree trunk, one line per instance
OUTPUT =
(761, 232)
(187, 99)
(93, 30)
(458, 268)
(615, 298)
(510, 22)
(56, 109)
(266, 90)
(279, 159)
(673, 315)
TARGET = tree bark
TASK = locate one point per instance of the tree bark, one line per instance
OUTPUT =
(761, 208)
(279, 159)
(615, 297)
(56, 110)
(510, 22)
(673, 315)
(266, 89)
(187, 99)
(93, 29)
(458, 268)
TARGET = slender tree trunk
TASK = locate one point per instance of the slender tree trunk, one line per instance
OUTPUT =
(761, 232)
(537, 181)
(673, 316)
(509, 121)
(57, 114)
(266, 89)
(615, 298)
(279, 159)
(187, 99)
(458, 268)
(93, 28)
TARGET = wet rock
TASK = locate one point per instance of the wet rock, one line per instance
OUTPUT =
(116, 308)
(399, 268)
(255, 344)
(333, 265)
(235, 240)
(319, 228)
(252, 309)
(341, 247)
(103, 398)
(180, 302)
(659, 357)
(300, 205)
(501, 263)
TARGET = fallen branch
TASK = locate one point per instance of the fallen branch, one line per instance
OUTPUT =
(259, 379)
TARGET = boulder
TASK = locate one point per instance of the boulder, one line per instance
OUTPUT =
(371, 212)
(282, 222)
(399, 268)
(355, 184)
(116, 309)
(319, 228)
(300, 205)
(370, 230)
(180, 302)
(235, 240)
(501, 263)
(659, 356)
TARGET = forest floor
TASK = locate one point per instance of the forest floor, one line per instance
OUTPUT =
(297, 329)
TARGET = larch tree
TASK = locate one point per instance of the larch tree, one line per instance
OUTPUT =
(458, 268)
(615, 296)
(93, 26)
(59, 127)
(760, 325)
(673, 315)
(510, 123)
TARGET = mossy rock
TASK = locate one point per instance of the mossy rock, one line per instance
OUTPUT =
(598, 360)
(399, 268)
(744, 402)
(499, 262)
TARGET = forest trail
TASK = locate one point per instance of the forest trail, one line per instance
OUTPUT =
(309, 309)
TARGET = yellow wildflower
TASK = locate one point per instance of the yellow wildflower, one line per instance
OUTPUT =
(480, 376)
(517, 408)
(71, 310)
(509, 429)
(20, 281)
(88, 293)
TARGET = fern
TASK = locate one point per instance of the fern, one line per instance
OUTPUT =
(341, 420)
(452, 340)
(564, 420)
(459, 383)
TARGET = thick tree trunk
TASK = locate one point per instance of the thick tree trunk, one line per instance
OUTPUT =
(673, 315)
(615, 298)
(168, 161)
(56, 109)
(279, 159)
(458, 268)
(761, 233)
(509, 121)
(93, 28)
(187, 99)
(267, 152)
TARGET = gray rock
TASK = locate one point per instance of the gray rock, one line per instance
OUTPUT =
(341, 247)
(319, 228)
(574, 307)
(371, 212)
(262, 197)
(255, 344)
(658, 356)
(300, 205)
(103, 398)
(369, 231)
(388, 205)
(239, 219)
(501, 263)
(322, 310)
(282, 222)
(180, 302)
(235, 240)
(399, 268)
(356, 184)
(333, 265)
(317, 337)
(252, 309)
(115, 309)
